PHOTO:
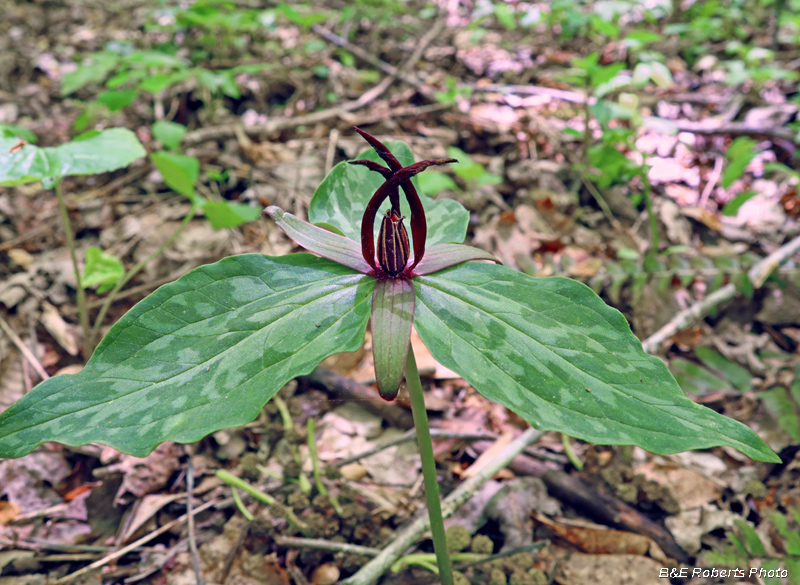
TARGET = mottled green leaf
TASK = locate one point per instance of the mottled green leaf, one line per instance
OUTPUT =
(201, 354)
(105, 151)
(553, 352)
(340, 200)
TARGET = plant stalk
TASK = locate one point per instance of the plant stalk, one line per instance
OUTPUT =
(83, 311)
(90, 342)
(648, 202)
(428, 469)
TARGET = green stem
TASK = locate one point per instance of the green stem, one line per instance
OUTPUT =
(288, 426)
(237, 482)
(428, 469)
(648, 202)
(127, 276)
(312, 451)
(239, 504)
(83, 311)
(573, 458)
(427, 559)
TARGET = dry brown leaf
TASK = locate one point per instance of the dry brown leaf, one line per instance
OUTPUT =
(58, 328)
(8, 512)
(599, 540)
(704, 216)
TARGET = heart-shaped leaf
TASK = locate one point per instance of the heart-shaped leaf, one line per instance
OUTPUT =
(201, 354)
(553, 352)
(105, 151)
(342, 196)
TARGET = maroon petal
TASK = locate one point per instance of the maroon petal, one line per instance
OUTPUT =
(418, 227)
(381, 149)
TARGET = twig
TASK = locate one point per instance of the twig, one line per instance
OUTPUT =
(125, 550)
(712, 181)
(758, 274)
(409, 436)
(231, 556)
(372, 571)
(560, 94)
(190, 515)
(333, 138)
(365, 395)
(24, 349)
(364, 55)
(319, 544)
(734, 129)
(83, 314)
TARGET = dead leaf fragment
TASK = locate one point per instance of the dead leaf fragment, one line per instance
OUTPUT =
(20, 257)
(599, 540)
(58, 328)
(8, 512)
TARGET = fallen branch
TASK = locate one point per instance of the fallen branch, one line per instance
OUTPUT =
(372, 571)
(758, 274)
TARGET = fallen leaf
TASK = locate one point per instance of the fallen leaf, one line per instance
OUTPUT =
(58, 328)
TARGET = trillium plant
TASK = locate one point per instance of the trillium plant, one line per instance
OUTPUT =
(207, 351)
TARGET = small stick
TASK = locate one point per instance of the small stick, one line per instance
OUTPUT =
(320, 544)
(190, 516)
(36, 364)
(712, 181)
(125, 550)
(329, 156)
(758, 274)
(371, 572)
(231, 556)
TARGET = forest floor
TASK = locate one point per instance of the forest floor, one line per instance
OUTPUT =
(697, 111)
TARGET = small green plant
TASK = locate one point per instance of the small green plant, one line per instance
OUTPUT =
(207, 351)
(745, 549)
(89, 154)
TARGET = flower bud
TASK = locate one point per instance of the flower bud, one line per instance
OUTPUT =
(393, 246)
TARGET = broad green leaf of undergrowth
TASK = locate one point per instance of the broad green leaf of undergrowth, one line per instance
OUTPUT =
(95, 68)
(340, 199)
(553, 352)
(102, 270)
(105, 151)
(227, 214)
(179, 171)
(16, 131)
(201, 354)
(168, 133)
